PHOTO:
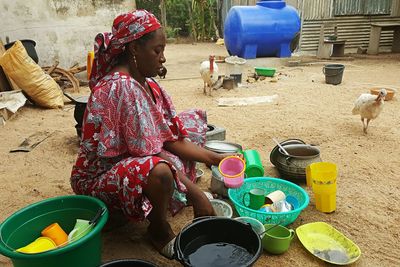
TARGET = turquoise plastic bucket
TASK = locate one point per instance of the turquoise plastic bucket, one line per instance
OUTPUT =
(25, 225)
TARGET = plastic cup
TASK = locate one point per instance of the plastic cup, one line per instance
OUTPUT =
(41, 244)
(254, 166)
(293, 201)
(232, 169)
(255, 197)
(323, 180)
(81, 228)
(275, 196)
(55, 232)
(277, 240)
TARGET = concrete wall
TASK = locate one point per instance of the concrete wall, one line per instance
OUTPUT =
(64, 30)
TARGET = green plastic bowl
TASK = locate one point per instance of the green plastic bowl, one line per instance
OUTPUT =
(269, 72)
(269, 184)
(25, 225)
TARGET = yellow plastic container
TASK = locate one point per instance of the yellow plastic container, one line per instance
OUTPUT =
(89, 63)
(327, 243)
(308, 175)
(322, 177)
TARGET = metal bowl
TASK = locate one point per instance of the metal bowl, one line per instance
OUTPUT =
(222, 208)
(222, 146)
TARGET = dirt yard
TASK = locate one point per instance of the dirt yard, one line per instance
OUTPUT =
(368, 196)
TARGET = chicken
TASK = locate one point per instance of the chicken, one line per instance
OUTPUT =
(369, 106)
(209, 74)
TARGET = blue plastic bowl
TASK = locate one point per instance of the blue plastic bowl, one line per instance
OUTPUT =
(269, 184)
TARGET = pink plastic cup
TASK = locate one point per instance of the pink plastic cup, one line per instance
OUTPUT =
(232, 169)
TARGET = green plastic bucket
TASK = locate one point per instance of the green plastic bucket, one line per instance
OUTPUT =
(333, 73)
(25, 225)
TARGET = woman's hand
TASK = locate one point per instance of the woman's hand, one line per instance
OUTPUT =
(192, 152)
(201, 204)
(218, 157)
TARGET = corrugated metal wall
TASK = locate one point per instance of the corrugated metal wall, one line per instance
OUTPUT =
(348, 7)
(362, 7)
(316, 9)
(323, 9)
(378, 7)
(354, 29)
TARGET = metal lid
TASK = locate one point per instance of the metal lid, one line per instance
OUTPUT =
(222, 146)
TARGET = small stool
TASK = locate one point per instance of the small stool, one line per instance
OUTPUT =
(337, 48)
(330, 47)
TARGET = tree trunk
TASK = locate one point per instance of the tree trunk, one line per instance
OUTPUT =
(192, 23)
(163, 13)
(213, 25)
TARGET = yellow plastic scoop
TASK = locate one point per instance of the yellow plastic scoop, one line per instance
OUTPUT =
(41, 244)
(325, 242)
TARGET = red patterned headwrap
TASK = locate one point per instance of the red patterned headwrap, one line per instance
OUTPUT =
(126, 28)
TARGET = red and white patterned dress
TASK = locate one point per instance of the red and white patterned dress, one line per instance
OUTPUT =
(123, 130)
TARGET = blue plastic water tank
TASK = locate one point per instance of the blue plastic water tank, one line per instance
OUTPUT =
(264, 30)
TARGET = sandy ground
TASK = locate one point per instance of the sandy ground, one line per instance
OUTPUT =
(368, 202)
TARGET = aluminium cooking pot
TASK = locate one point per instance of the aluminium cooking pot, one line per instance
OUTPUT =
(292, 167)
(217, 184)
